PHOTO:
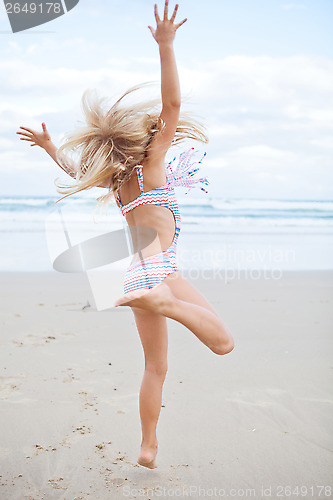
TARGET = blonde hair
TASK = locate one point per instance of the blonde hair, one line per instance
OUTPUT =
(114, 141)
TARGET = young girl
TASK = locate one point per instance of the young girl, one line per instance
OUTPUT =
(124, 150)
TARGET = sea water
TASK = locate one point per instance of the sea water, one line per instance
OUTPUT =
(216, 233)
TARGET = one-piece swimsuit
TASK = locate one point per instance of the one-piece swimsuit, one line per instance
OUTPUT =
(151, 271)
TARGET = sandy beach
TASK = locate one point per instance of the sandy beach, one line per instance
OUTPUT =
(256, 423)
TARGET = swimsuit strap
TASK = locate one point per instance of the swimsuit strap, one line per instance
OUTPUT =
(118, 199)
(140, 181)
(140, 177)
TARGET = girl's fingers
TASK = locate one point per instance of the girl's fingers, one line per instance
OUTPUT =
(28, 129)
(157, 17)
(174, 13)
(166, 10)
(23, 133)
(178, 25)
(152, 30)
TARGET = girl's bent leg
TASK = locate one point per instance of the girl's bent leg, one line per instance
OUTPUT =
(177, 299)
(152, 329)
(208, 327)
(194, 311)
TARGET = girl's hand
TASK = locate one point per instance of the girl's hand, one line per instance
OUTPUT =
(166, 30)
(37, 138)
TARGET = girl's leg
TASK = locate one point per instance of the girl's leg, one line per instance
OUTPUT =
(177, 299)
(153, 333)
(192, 309)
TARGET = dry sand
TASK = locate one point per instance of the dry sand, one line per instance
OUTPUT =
(257, 418)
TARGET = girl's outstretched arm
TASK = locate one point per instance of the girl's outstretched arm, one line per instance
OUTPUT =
(43, 140)
(170, 89)
(164, 35)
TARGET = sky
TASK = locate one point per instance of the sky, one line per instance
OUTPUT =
(257, 73)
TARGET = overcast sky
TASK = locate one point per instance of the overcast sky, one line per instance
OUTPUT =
(259, 74)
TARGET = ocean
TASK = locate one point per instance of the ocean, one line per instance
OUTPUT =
(217, 233)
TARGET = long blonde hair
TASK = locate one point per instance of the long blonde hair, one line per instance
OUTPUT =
(114, 141)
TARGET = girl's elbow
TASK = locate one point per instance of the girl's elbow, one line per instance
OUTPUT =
(172, 104)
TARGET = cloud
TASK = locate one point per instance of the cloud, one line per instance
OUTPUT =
(267, 117)
(45, 79)
(323, 142)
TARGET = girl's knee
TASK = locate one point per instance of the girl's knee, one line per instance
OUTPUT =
(157, 369)
(223, 348)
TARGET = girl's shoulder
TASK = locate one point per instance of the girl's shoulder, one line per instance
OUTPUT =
(153, 171)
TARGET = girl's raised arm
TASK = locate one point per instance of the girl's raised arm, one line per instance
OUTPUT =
(43, 140)
(170, 88)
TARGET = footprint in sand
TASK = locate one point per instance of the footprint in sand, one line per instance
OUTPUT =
(59, 483)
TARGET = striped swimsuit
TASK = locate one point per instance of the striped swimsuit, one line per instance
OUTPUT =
(152, 270)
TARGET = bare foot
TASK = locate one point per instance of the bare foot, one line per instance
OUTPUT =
(155, 299)
(147, 456)
(126, 299)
